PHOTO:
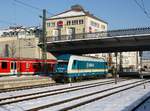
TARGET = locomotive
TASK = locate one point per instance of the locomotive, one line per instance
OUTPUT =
(71, 68)
(25, 66)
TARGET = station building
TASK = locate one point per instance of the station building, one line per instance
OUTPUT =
(83, 21)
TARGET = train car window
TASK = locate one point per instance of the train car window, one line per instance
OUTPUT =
(27, 65)
(15, 65)
(39, 66)
(4, 65)
(36, 65)
(12, 65)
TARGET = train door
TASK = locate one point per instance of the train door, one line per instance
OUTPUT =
(13, 68)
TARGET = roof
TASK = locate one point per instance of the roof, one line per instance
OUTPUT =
(75, 11)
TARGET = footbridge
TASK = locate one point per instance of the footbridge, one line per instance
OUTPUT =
(135, 39)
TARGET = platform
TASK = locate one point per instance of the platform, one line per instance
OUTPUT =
(23, 81)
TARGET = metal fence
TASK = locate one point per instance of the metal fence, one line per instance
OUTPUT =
(102, 34)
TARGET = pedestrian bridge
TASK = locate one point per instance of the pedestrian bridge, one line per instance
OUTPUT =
(135, 39)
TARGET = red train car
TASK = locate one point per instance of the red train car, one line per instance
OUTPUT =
(23, 66)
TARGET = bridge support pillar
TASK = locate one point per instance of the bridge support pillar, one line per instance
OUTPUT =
(116, 53)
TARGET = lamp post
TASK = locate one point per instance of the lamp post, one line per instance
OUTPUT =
(121, 62)
(140, 70)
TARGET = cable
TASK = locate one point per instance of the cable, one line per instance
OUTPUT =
(142, 7)
(145, 11)
(25, 4)
(33, 7)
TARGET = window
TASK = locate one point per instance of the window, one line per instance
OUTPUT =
(80, 21)
(94, 24)
(51, 24)
(48, 24)
(15, 65)
(68, 22)
(27, 65)
(12, 65)
(74, 62)
(4, 65)
(35, 65)
(103, 27)
(74, 22)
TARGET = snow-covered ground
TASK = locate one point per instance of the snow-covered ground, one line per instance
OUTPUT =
(49, 88)
(123, 101)
(111, 102)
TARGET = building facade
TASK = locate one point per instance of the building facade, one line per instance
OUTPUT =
(76, 18)
(21, 42)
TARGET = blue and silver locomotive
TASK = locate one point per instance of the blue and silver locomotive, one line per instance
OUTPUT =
(72, 67)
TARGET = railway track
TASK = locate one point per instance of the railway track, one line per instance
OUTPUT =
(24, 97)
(35, 86)
(15, 99)
(2, 90)
(74, 102)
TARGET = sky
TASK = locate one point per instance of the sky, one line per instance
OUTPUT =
(119, 14)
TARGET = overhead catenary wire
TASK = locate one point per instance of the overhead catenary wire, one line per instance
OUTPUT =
(142, 7)
(31, 6)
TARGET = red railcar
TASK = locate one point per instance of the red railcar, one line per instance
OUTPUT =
(23, 66)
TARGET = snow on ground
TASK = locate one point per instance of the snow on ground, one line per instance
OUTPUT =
(49, 88)
(123, 101)
(25, 105)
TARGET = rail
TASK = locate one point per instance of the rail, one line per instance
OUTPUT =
(110, 91)
(102, 34)
(30, 96)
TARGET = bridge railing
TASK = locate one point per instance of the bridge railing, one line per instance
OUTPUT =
(102, 34)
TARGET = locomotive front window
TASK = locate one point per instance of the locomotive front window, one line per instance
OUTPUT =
(74, 62)
(4, 65)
